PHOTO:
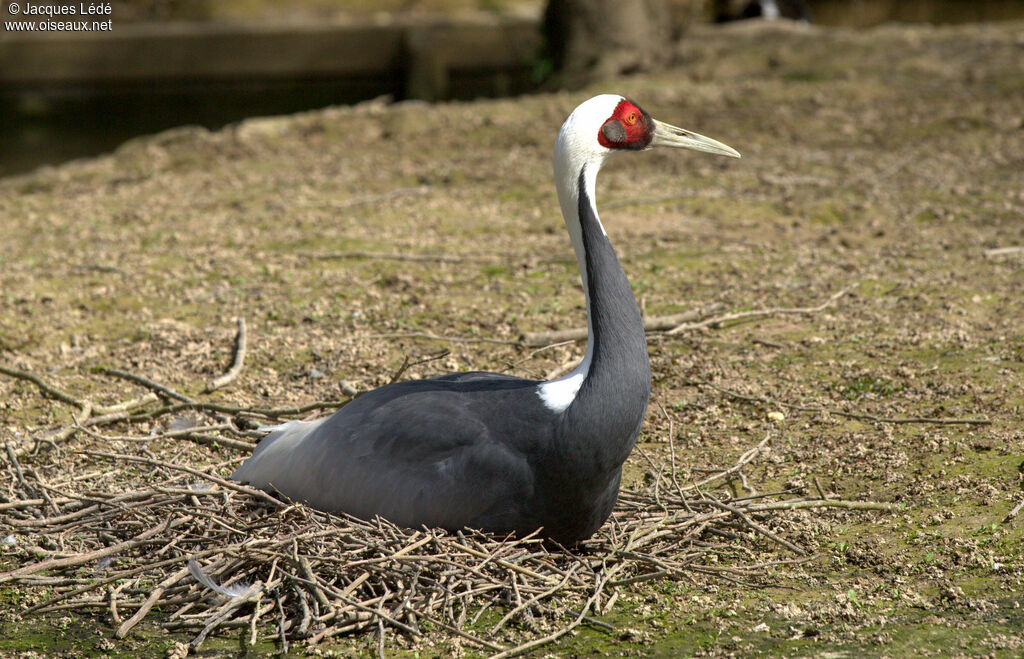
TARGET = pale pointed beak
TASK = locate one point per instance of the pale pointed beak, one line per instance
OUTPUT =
(669, 135)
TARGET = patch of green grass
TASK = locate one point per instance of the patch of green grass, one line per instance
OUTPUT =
(495, 270)
(857, 388)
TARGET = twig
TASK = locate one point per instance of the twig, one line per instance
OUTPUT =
(236, 366)
(192, 434)
(44, 387)
(44, 489)
(533, 353)
(259, 494)
(225, 611)
(562, 369)
(651, 324)
(406, 364)
(536, 598)
(1013, 511)
(830, 503)
(30, 503)
(787, 181)
(154, 596)
(758, 313)
(272, 413)
(672, 452)
(819, 488)
(86, 408)
(438, 337)
(307, 571)
(1003, 251)
(363, 607)
(757, 527)
(63, 434)
(17, 466)
(594, 621)
(460, 632)
(511, 566)
(79, 559)
(146, 382)
(282, 633)
(397, 256)
(112, 595)
(256, 611)
(551, 638)
(400, 370)
(107, 413)
(850, 415)
(744, 460)
(117, 576)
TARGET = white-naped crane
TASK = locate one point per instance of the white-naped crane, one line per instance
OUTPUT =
(492, 451)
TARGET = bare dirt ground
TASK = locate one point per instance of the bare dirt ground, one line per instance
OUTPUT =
(889, 164)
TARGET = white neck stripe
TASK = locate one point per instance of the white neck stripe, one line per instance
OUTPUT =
(577, 150)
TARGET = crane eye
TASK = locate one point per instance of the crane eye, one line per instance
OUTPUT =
(631, 118)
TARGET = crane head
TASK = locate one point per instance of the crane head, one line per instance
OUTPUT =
(631, 127)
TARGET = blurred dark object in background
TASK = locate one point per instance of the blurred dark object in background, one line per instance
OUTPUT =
(731, 10)
(138, 11)
(597, 39)
(865, 13)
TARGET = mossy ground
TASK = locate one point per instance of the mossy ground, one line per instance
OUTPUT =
(888, 161)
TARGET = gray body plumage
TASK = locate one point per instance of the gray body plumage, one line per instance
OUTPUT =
(491, 451)
(481, 450)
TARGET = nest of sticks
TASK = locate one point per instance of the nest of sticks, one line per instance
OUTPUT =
(146, 537)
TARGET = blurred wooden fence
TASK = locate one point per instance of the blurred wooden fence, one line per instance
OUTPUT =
(420, 54)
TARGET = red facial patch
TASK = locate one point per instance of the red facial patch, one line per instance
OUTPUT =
(629, 127)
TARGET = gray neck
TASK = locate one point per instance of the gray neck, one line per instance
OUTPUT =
(617, 346)
(603, 400)
(604, 417)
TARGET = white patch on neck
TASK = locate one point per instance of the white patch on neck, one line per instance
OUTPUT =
(577, 150)
(559, 394)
